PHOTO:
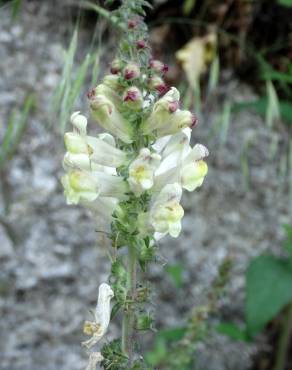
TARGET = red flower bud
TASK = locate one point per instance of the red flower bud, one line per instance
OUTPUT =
(141, 44)
(131, 71)
(132, 23)
(158, 66)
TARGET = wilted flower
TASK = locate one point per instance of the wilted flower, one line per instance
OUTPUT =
(141, 171)
(97, 328)
(94, 359)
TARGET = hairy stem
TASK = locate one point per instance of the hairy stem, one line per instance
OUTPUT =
(128, 319)
(284, 340)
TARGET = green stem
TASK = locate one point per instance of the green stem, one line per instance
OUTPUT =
(284, 340)
(128, 319)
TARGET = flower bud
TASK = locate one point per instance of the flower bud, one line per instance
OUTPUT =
(158, 66)
(105, 112)
(157, 83)
(79, 122)
(132, 23)
(133, 98)
(112, 81)
(140, 44)
(116, 66)
(131, 71)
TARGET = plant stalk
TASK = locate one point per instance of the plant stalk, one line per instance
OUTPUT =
(284, 340)
(128, 319)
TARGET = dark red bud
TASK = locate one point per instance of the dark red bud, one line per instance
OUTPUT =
(132, 23)
(141, 44)
(131, 95)
(162, 89)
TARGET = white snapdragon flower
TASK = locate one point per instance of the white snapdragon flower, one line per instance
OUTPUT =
(181, 163)
(141, 171)
(165, 214)
(85, 186)
(97, 149)
(107, 115)
(97, 328)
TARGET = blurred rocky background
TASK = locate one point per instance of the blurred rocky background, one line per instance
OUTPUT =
(235, 72)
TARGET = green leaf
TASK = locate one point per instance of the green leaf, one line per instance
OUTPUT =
(233, 331)
(269, 282)
(188, 6)
(173, 334)
(158, 353)
(287, 3)
(175, 272)
(288, 242)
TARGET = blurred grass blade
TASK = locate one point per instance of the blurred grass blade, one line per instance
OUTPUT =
(16, 4)
(95, 68)
(214, 75)
(273, 110)
(14, 131)
(72, 90)
(188, 6)
(66, 74)
(225, 122)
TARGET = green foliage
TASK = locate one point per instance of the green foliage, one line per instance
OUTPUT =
(268, 291)
(188, 6)
(261, 105)
(269, 282)
(175, 272)
(287, 3)
(14, 131)
(233, 331)
(175, 348)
